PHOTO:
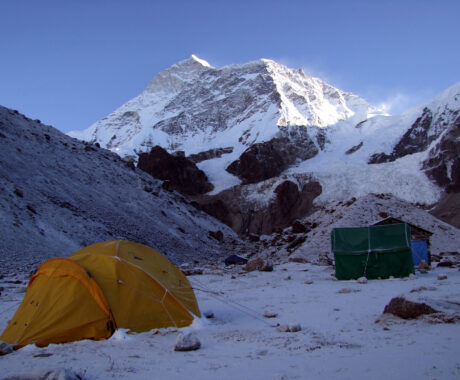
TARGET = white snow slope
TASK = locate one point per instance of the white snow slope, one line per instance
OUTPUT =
(194, 107)
(339, 337)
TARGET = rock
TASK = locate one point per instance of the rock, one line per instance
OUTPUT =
(260, 265)
(270, 314)
(47, 374)
(345, 291)
(254, 238)
(208, 314)
(362, 280)
(442, 277)
(423, 266)
(268, 267)
(298, 260)
(324, 259)
(294, 328)
(288, 201)
(187, 342)
(5, 348)
(283, 328)
(446, 263)
(192, 271)
(405, 309)
(299, 228)
(209, 154)
(308, 281)
(236, 260)
(269, 159)
(179, 173)
(443, 164)
(290, 328)
(218, 235)
(296, 243)
(256, 264)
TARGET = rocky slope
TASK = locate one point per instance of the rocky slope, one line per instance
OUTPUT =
(309, 238)
(59, 194)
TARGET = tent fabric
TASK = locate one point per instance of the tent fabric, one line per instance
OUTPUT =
(108, 285)
(138, 301)
(151, 262)
(419, 251)
(62, 304)
(372, 252)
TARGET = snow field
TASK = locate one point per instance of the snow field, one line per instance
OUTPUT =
(339, 337)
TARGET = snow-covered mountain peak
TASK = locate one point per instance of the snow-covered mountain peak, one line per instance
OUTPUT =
(172, 79)
(199, 60)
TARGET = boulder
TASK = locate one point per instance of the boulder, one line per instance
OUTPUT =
(405, 309)
(290, 328)
(5, 348)
(270, 314)
(187, 342)
(179, 173)
(299, 228)
(269, 159)
(260, 265)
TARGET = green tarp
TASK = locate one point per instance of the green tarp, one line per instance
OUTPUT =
(372, 252)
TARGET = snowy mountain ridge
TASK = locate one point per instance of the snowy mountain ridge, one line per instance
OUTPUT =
(194, 107)
(349, 146)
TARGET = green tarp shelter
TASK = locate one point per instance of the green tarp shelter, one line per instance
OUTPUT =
(372, 252)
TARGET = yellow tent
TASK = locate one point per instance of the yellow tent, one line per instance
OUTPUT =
(99, 288)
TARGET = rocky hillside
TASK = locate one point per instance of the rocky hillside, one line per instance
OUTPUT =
(59, 194)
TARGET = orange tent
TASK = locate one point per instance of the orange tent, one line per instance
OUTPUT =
(99, 288)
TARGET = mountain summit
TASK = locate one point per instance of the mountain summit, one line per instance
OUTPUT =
(194, 107)
(247, 123)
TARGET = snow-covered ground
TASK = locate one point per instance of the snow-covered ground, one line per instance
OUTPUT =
(340, 338)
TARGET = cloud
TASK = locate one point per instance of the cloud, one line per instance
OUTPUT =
(396, 103)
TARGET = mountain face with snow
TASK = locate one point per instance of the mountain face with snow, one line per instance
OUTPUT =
(59, 194)
(256, 122)
(195, 108)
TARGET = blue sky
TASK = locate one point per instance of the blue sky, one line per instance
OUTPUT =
(70, 63)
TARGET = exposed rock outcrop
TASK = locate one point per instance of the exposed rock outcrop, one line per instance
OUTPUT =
(443, 163)
(448, 209)
(269, 159)
(180, 173)
(416, 139)
(427, 128)
(209, 154)
(244, 216)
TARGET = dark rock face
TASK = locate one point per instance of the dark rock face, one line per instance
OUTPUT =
(289, 204)
(417, 138)
(209, 154)
(269, 159)
(443, 164)
(405, 309)
(448, 209)
(179, 173)
(354, 148)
